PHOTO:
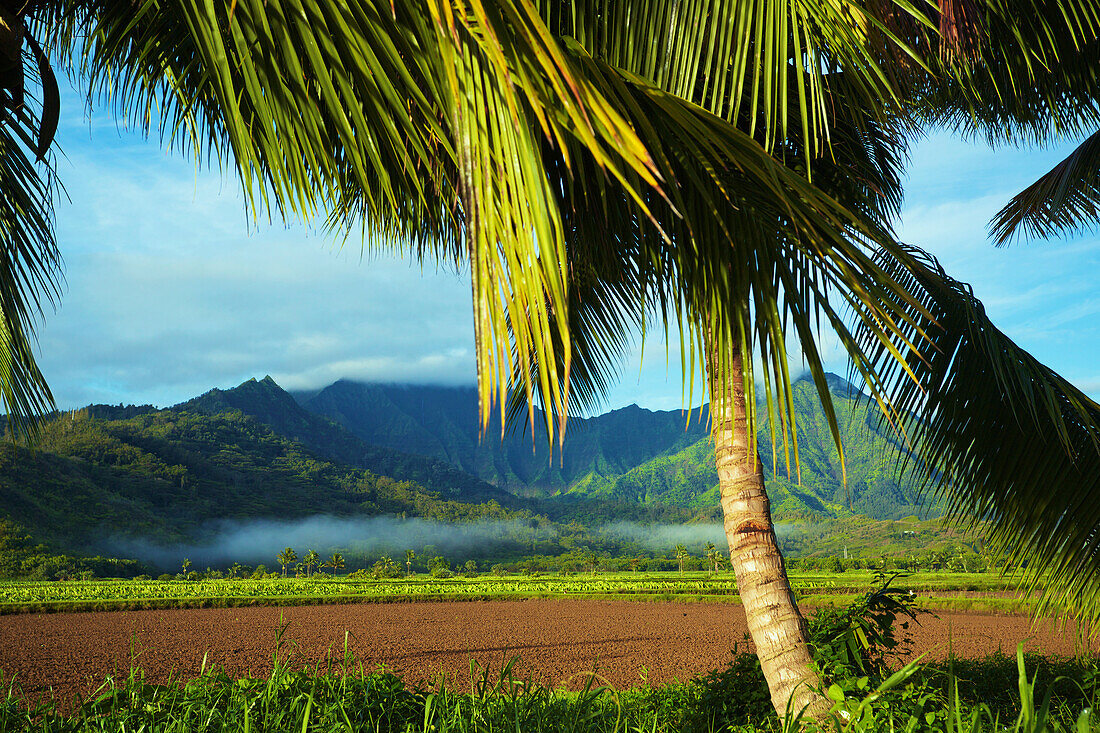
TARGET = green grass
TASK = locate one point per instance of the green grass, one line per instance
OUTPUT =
(814, 589)
(998, 693)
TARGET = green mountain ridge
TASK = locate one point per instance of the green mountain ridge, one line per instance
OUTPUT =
(267, 402)
(169, 474)
(637, 455)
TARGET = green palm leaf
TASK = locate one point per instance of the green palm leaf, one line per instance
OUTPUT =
(29, 276)
(1004, 437)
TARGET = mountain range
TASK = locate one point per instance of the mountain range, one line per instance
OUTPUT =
(361, 450)
(634, 454)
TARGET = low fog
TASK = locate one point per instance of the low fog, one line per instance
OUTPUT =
(665, 537)
(258, 541)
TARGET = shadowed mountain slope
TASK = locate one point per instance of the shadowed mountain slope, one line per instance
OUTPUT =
(633, 454)
(267, 402)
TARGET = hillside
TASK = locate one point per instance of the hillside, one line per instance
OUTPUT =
(169, 474)
(441, 422)
(634, 454)
(267, 403)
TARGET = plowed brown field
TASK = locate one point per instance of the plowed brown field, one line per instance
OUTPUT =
(70, 653)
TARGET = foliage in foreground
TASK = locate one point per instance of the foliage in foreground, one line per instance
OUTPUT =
(993, 694)
(857, 649)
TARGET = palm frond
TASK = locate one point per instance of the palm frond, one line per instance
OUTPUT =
(29, 275)
(1032, 81)
(1002, 436)
(767, 66)
(422, 123)
(1065, 198)
(743, 249)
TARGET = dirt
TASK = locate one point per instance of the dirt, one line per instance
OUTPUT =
(627, 643)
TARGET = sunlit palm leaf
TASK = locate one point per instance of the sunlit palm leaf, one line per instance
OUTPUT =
(1003, 437)
(732, 58)
(743, 250)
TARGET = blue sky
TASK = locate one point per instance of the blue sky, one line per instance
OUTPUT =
(170, 291)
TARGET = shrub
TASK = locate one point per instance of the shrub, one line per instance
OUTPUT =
(736, 695)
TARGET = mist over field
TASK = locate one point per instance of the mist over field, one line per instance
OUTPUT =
(258, 541)
(665, 537)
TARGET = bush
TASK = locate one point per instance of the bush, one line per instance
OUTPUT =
(166, 576)
(736, 695)
(439, 572)
(385, 567)
(498, 570)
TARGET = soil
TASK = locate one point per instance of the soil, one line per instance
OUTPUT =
(69, 654)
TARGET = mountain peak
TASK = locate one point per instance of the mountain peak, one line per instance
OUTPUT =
(837, 384)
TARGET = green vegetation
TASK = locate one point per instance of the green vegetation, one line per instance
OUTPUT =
(22, 557)
(386, 581)
(168, 473)
(116, 473)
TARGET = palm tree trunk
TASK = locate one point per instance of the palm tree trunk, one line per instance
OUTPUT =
(777, 628)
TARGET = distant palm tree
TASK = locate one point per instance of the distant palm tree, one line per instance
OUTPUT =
(681, 555)
(286, 557)
(409, 557)
(311, 559)
(336, 562)
(186, 565)
(711, 552)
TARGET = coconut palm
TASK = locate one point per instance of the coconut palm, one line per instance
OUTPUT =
(681, 555)
(287, 557)
(595, 166)
(336, 562)
(409, 557)
(710, 552)
(311, 559)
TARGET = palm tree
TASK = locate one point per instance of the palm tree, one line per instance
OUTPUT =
(681, 555)
(311, 559)
(286, 557)
(630, 170)
(409, 557)
(336, 562)
(711, 553)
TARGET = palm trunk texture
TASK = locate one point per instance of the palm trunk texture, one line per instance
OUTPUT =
(777, 628)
